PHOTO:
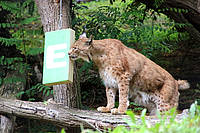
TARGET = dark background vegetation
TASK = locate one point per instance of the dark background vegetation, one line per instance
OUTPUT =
(148, 30)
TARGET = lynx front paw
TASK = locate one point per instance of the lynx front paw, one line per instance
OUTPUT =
(103, 109)
(116, 111)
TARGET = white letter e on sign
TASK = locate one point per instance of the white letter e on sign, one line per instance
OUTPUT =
(51, 56)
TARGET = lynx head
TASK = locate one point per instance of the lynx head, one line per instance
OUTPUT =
(81, 49)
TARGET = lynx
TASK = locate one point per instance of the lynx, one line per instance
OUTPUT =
(132, 74)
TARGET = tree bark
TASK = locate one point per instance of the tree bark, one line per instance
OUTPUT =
(64, 116)
(7, 124)
(9, 90)
(66, 94)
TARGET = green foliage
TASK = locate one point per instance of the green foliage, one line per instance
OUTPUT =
(145, 30)
(63, 131)
(10, 6)
(26, 35)
(35, 90)
(158, 3)
(9, 41)
(167, 123)
(12, 64)
(178, 10)
(24, 27)
(136, 107)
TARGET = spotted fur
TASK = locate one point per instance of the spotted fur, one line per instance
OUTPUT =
(125, 70)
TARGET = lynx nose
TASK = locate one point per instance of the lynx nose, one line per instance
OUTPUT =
(71, 56)
(69, 53)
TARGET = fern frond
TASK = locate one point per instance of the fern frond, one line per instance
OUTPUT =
(35, 51)
(26, 3)
(10, 6)
(28, 20)
(10, 41)
(14, 79)
(9, 61)
(8, 25)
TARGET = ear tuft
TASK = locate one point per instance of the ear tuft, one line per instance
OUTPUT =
(90, 39)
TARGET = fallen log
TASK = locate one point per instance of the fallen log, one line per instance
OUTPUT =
(64, 116)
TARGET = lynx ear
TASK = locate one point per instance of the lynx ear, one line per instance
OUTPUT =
(83, 35)
(90, 39)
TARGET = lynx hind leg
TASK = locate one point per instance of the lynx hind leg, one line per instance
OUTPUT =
(162, 105)
(110, 94)
(154, 102)
(167, 97)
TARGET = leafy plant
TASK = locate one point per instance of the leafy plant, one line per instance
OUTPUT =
(167, 124)
(24, 27)
(35, 90)
(25, 35)
(136, 26)
(63, 131)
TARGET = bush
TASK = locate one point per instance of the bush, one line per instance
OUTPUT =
(140, 28)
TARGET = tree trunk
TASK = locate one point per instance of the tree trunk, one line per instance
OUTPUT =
(67, 94)
(7, 124)
(9, 91)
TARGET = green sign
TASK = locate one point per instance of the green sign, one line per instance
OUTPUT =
(58, 68)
